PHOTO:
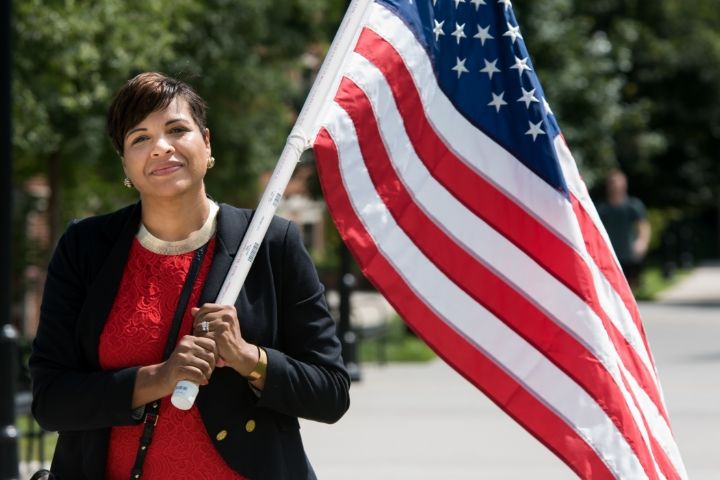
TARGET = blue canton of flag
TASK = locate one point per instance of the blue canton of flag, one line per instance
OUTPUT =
(483, 66)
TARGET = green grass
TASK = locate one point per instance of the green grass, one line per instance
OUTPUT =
(50, 439)
(652, 282)
(400, 346)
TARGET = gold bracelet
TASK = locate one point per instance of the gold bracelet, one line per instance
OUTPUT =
(261, 366)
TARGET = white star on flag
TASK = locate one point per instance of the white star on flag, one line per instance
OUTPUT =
(490, 68)
(513, 33)
(483, 34)
(528, 97)
(521, 65)
(477, 3)
(497, 101)
(459, 32)
(535, 129)
(547, 107)
(438, 30)
(460, 67)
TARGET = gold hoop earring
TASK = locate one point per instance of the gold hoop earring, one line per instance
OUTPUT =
(128, 183)
(211, 162)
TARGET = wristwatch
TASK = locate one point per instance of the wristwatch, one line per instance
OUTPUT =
(261, 367)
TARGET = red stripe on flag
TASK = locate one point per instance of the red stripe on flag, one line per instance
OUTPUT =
(487, 288)
(492, 205)
(603, 258)
(663, 461)
(464, 357)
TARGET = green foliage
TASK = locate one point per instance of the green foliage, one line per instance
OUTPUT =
(677, 61)
(70, 57)
(652, 282)
(398, 344)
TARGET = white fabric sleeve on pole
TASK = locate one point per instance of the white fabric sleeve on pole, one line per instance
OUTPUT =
(328, 78)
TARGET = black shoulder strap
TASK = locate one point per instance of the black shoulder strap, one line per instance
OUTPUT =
(152, 409)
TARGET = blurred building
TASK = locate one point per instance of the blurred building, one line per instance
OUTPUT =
(34, 248)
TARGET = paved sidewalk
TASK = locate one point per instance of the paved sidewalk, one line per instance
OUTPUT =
(423, 421)
(701, 287)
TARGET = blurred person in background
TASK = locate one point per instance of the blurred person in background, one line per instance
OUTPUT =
(104, 361)
(625, 220)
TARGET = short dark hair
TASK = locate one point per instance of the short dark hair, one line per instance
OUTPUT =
(147, 93)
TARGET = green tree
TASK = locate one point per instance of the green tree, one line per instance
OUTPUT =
(69, 56)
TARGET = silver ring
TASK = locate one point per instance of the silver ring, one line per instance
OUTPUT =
(205, 326)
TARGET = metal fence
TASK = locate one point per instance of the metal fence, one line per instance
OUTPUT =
(35, 447)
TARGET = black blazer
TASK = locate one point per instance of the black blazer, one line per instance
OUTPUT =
(281, 307)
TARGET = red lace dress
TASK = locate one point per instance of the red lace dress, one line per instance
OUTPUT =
(135, 334)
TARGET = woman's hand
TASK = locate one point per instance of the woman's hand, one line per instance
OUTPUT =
(193, 359)
(223, 327)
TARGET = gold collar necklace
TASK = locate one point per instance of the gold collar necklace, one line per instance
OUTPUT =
(194, 241)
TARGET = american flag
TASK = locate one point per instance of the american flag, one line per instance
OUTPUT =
(446, 173)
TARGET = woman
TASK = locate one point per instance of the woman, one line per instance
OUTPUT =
(115, 284)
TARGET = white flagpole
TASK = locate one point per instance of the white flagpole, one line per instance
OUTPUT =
(300, 139)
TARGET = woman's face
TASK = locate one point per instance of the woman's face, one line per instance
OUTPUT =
(166, 154)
